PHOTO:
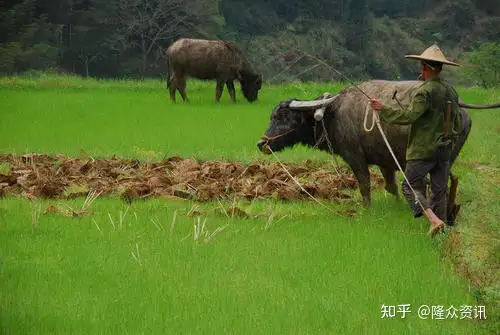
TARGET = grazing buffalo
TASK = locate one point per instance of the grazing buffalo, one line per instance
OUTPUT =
(338, 121)
(208, 60)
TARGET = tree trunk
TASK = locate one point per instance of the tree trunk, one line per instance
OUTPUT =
(86, 61)
(485, 85)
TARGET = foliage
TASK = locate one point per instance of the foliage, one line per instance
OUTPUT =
(127, 38)
(483, 65)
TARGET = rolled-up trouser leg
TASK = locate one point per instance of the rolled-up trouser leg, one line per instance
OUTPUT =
(415, 172)
(439, 184)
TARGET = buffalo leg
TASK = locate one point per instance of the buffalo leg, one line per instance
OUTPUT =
(362, 174)
(390, 180)
(172, 87)
(230, 89)
(182, 88)
(363, 177)
(218, 90)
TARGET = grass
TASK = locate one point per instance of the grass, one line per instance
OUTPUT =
(138, 123)
(92, 275)
(290, 268)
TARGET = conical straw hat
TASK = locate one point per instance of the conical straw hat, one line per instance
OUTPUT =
(434, 54)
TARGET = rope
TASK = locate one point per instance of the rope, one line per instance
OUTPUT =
(298, 184)
(375, 120)
(271, 138)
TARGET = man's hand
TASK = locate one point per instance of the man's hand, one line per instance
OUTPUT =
(376, 104)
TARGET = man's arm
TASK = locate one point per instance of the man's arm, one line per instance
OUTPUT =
(417, 107)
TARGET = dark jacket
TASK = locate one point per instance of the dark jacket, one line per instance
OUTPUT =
(425, 115)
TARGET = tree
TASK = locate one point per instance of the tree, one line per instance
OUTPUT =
(483, 65)
(366, 38)
(149, 25)
(30, 42)
(93, 34)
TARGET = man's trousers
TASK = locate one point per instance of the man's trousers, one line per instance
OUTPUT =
(416, 171)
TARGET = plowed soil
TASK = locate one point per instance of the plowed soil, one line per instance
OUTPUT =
(43, 176)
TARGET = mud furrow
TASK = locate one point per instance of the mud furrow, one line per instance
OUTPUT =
(58, 176)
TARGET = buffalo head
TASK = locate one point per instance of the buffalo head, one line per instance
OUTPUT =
(250, 85)
(293, 122)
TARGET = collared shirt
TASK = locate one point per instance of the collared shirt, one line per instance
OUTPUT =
(425, 115)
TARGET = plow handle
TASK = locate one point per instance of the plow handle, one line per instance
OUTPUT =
(451, 207)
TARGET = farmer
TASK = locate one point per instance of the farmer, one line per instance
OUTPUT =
(428, 150)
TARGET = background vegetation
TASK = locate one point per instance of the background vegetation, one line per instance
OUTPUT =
(284, 39)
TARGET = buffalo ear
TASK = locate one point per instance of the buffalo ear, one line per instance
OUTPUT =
(286, 103)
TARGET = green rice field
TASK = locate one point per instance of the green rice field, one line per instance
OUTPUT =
(166, 266)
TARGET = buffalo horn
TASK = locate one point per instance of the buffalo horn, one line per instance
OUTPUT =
(311, 103)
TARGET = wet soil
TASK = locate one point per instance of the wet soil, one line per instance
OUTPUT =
(57, 176)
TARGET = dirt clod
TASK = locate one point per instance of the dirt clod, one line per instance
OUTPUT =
(44, 176)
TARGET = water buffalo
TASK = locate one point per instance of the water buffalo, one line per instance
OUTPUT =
(294, 122)
(208, 60)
